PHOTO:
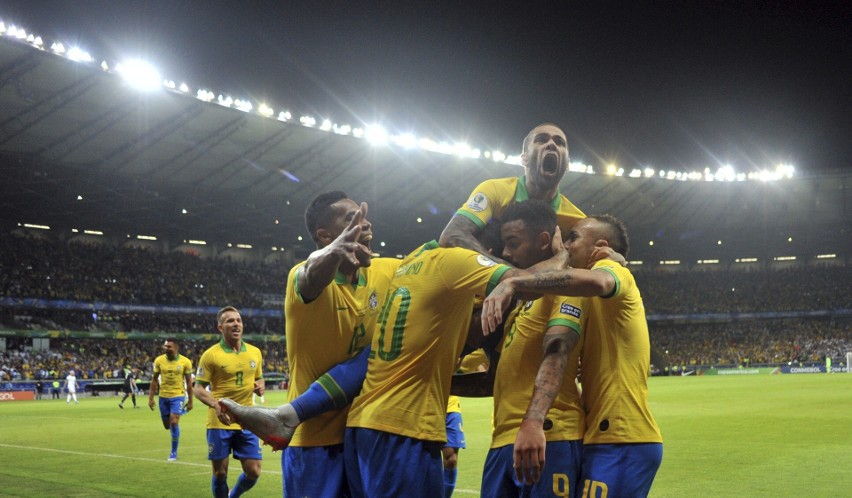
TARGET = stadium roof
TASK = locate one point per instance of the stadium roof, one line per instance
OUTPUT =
(83, 149)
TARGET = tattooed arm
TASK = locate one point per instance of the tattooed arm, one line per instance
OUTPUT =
(568, 282)
(530, 442)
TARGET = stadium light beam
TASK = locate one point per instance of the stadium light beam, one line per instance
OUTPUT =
(140, 74)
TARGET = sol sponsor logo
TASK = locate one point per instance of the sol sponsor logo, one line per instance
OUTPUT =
(7, 397)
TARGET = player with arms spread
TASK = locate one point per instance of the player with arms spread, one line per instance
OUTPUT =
(231, 369)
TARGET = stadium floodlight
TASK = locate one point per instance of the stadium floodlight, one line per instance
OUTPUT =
(637, 262)
(649, 172)
(405, 140)
(341, 129)
(244, 246)
(57, 48)
(635, 173)
(619, 172)
(225, 101)
(708, 261)
(308, 121)
(745, 260)
(419, 220)
(74, 230)
(514, 160)
(197, 242)
(265, 110)
(284, 116)
(670, 262)
(204, 95)
(358, 132)
(170, 84)
(2, 27)
(826, 256)
(299, 238)
(183, 211)
(428, 144)
(726, 173)
(498, 156)
(33, 225)
(184, 88)
(93, 232)
(718, 242)
(325, 125)
(611, 169)
(462, 149)
(146, 237)
(650, 242)
(243, 105)
(376, 135)
(382, 243)
(79, 55)
(139, 74)
(784, 258)
(105, 66)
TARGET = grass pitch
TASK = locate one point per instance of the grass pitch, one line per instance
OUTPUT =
(768, 435)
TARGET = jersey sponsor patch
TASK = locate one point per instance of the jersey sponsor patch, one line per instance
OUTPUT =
(567, 309)
(482, 260)
(478, 202)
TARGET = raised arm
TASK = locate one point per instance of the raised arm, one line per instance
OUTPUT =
(323, 264)
(530, 443)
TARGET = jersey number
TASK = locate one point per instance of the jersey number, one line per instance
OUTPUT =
(398, 324)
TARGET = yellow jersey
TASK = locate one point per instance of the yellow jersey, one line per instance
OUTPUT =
(453, 404)
(491, 197)
(418, 340)
(329, 330)
(616, 365)
(521, 356)
(172, 375)
(230, 374)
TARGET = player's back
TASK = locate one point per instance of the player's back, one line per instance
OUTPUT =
(419, 336)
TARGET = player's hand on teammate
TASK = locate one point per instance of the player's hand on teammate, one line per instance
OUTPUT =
(495, 304)
(605, 252)
(528, 455)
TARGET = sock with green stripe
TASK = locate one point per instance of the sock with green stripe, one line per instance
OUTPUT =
(334, 389)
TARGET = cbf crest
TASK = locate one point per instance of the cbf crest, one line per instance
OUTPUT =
(253, 364)
(374, 301)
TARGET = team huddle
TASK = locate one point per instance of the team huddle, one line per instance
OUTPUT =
(373, 343)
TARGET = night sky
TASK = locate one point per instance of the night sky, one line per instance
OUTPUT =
(672, 85)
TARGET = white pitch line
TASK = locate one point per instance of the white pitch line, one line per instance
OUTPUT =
(174, 462)
(123, 457)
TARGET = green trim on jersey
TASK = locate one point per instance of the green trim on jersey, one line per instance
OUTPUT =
(617, 288)
(522, 195)
(229, 349)
(432, 244)
(495, 278)
(561, 322)
(471, 217)
(341, 279)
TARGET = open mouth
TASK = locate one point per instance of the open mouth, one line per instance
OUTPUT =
(550, 163)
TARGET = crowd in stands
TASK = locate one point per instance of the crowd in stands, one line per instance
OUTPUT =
(756, 342)
(50, 269)
(37, 268)
(729, 291)
(106, 358)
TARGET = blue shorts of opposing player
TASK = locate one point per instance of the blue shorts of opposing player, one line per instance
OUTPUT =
(620, 469)
(560, 477)
(314, 471)
(171, 405)
(383, 464)
(222, 442)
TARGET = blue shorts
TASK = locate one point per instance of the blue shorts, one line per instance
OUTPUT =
(222, 442)
(314, 471)
(383, 464)
(171, 405)
(620, 469)
(561, 475)
(455, 431)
